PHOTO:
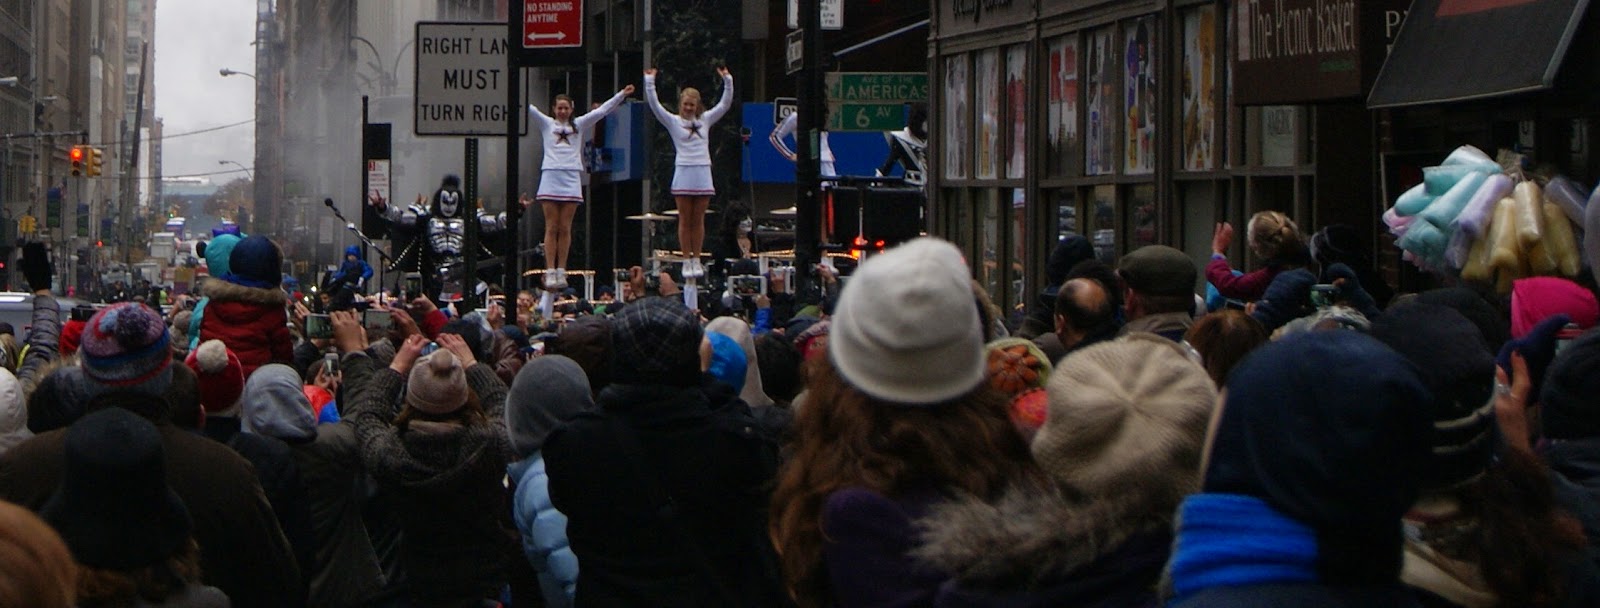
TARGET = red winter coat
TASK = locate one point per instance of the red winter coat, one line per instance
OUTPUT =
(250, 321)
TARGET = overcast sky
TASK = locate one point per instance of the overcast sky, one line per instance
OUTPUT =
(195, 39)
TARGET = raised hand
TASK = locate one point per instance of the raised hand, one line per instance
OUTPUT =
(627, 90)
(649, 71)
(348, 334)
(459, 348)
(406, 355)
(722, 71)
(1221, 238)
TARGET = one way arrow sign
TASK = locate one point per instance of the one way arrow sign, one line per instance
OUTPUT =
(552, 24)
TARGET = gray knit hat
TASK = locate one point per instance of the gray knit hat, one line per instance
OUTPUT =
(438, 384)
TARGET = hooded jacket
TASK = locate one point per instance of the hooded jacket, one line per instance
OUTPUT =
(43, 345)
(13, 413)
(344, 571)
(1327, 430)
(444, 477)
(250, 321)
(548, 391)
(752, 392)
(352, 272)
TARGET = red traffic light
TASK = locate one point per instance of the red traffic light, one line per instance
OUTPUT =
(77, 154)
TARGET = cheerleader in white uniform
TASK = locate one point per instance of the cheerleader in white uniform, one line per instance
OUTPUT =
(561, 177)
(691, 182)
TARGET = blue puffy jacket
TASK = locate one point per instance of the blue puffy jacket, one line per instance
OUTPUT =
(544, 532)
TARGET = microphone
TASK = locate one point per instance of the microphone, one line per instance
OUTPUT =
(328, 202)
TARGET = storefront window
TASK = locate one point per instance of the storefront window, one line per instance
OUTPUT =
(1280, 127)
(1103, 220)
(1100, 156)
(962, 221)
(1062, 113)
(1200, 215)
(1141, 216)
(1065, 202)
(957, 115)
(988, 78)
(1017, 111)
(1200, 89)
(1139, 94)
(1019, 239)
(991, 256)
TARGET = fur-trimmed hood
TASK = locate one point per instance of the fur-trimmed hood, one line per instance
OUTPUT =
(223, 291)
(1034, 536)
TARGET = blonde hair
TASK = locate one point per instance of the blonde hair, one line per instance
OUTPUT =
(36, 569)
(691, 93)
(1273, 236)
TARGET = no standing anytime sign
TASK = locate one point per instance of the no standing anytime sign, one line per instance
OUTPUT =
(552, 23)
(461, 80)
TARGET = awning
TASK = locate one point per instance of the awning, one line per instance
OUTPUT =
(1455, 50)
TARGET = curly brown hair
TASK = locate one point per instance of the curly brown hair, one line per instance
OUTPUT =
(152, 584)
(844, 438)
(1523, 534)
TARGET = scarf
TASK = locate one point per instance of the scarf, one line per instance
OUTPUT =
(1230, 540)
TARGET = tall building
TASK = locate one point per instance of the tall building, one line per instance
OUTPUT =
(141, 30)
(17, 19)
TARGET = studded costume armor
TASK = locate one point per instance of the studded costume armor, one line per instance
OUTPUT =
(439, 248)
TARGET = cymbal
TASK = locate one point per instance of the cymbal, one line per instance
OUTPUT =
(790, 210)
(653, 217)
(674, 212)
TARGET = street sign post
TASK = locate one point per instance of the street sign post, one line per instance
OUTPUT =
(796, 51)
(832, 14)
(782, 107)
(872, 101)
(866, 116)
(548, 25)
(462, 80)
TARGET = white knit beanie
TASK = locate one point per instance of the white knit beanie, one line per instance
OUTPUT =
(906, 328)
(1135, 408)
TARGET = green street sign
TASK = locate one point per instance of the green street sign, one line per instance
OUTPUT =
(877, 87)
(866, 116)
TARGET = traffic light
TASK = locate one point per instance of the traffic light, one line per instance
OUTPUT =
(95, 158)
(77, 161)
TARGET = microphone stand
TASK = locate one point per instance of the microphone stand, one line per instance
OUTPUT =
(371, 246)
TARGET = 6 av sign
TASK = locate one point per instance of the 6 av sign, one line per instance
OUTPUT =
(548, 24)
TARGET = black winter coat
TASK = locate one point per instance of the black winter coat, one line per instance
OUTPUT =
(1305, 595)
(683, 523)
(242, 550)
(447, 484)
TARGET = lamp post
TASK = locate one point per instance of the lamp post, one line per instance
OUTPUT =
(225, 72)
(388, 79)
(241, 166)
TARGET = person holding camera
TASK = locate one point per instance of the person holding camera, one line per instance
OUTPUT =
(442, 459)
